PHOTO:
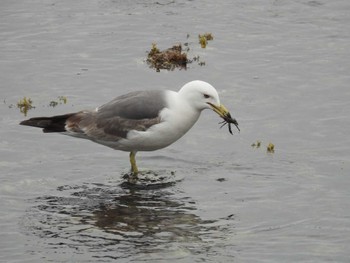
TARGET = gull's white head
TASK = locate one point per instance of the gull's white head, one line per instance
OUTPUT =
(200, 95)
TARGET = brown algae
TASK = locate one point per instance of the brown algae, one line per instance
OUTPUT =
(176, 56)
(168, 59)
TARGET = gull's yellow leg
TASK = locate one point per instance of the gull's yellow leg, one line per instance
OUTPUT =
(134, 169)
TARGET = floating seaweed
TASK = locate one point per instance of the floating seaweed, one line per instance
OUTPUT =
(24, 105)
(203, 39)
(61, 100)
(256, 144)
(53, 103)
(209, 36)
(270, 148)
(197, 59)
(168, 59)
(176, 56)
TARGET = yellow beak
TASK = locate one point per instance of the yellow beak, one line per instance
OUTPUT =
(220, 110)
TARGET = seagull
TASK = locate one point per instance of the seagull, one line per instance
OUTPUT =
(139, 121)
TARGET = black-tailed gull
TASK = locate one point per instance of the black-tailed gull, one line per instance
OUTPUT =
(141, 120)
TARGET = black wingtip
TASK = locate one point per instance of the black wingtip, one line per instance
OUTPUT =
(48, 124)
(25, 122)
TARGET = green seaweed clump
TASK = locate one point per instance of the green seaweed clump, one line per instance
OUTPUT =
(24, 105)
(154, 50)
(61, 100)
(53, 103)
(168, 59)
(203, 39)
(256, 144)
(270, 148)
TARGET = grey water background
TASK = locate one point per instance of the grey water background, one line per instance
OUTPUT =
(281, 67)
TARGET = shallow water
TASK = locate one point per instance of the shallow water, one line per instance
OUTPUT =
(282, 68)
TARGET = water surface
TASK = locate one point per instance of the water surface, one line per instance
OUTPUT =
(282, 68)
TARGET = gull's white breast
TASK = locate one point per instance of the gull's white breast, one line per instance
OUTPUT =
(176, 119)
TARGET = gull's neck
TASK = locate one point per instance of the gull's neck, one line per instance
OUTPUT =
(181, 111)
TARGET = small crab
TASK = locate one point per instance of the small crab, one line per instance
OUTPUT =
(229, 120)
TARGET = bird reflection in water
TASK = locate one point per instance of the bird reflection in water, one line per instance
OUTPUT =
(152, 217)
(114, 222)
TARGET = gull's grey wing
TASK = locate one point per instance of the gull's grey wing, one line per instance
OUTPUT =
(135, 105)
(113, 120)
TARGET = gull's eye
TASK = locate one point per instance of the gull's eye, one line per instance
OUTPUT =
(206, 96)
